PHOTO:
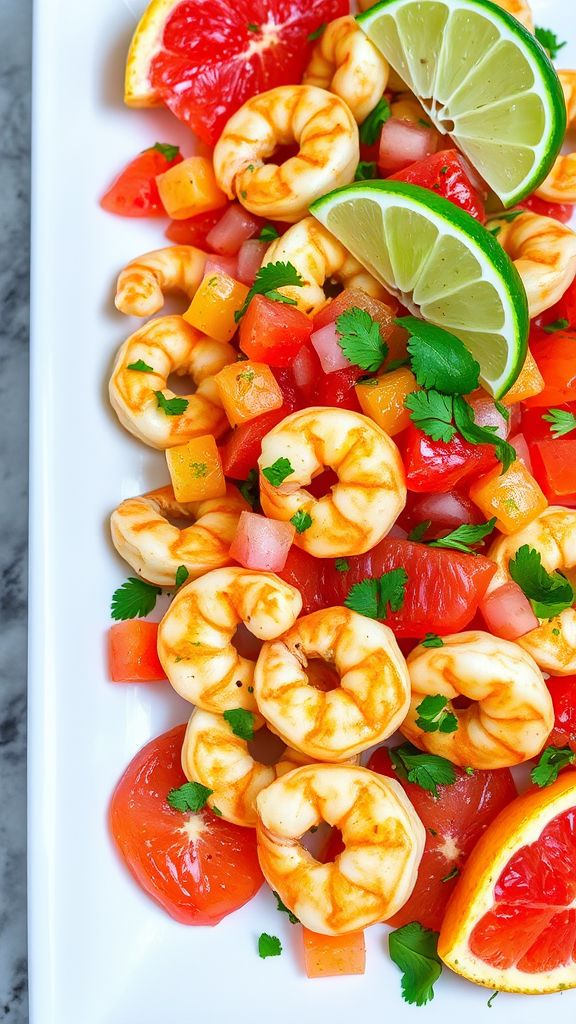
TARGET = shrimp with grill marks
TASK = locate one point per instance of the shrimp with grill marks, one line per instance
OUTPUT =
(544, 254)
(560, 185)
(349, 65)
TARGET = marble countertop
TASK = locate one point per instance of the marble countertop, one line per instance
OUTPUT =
(15, 30)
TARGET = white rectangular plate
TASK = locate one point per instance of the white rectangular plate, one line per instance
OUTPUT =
(100, 951)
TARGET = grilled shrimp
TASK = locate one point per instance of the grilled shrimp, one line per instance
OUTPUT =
(362, 505)
(164, 346)
(369, 690)
(349, 65)
(383, 845)
(553, 535)
(560, 185)
(511, 714)
(322, 125)
(318, 256)
(142, 284)
(195, 636)
(544, 254)
(147, 540)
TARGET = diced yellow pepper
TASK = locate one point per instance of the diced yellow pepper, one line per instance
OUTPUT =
(213, 307)
(514, 497)
(247, 390)
(530, 382)
(196, 470)
(190, 188)
(382, 399)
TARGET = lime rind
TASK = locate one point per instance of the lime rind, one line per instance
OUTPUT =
(442, 265)
(492, 49)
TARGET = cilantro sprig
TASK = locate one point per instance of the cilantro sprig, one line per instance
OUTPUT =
(277, 473)
(167, 150)
(269, 279)
(269, 945)
(433, 716)
(432, 640)
(417, 532)
(192, 796)
(439, 359)
(552, 759)
(249, 488)
(171, 406)
(182, 575)
(141, 367)
(427, 770)
(549, 593)
(284, 909)
(134, 599)
(374, 597)
(475, 434)
(549, 40)
(414, 950)
(432, 413)
(241, 722)
(301, 520)
(561, 421)
(464, 537)
(268, 233)
(360, 339)
(366, 171)
(556, 325)
(371, 125)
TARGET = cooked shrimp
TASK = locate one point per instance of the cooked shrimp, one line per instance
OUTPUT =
(553, 535)
(142, 284)
(560, 185)
(511, 714)
(147, 540)
(521, 11)
(368, 697)
(349, 65)
(169, 345)
(213, 755)
(322, 125)
(383, 845)
(544, 254)
(195, 636)
(318, 256)
(370, 492)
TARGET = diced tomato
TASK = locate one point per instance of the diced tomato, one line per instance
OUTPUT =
(444, 174)
(338, 389)
(194, 230)
(554, 355)
(383, 312)
(454, 821)
(198, 867)
(563, 693)
(564, 309)
(444, 511)
(236, 225)
(559, 211)
(438, 466)
(132, 652)
(239, 453)
(273, 332)
(306, 573)
(330, 956)
(554, 465)
(134, 193)
(305, 370)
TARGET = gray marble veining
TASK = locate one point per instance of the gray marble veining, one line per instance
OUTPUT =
(15, 34)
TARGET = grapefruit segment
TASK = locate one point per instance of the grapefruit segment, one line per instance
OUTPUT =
(511, 922)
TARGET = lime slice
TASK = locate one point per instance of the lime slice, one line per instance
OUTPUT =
(483, 79)
(441, 263)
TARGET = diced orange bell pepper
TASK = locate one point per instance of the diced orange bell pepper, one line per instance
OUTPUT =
(132, 653)
(192, 190)
(196, 470)
(247, 390)
(213, 307)
(326, 956)
(382, 399)
(530, 382)
(514, 497)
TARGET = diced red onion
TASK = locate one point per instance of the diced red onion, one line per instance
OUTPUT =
(325, 342)
(403, 143)
(250, 260)
(486, 414)
(221, 265)
(520, 443)
(508, 612)
(262, 543)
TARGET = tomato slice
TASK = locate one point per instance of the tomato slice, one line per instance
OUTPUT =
(454, 821)
(434, 467)
(337, 390)
(563, 693)
(216, 54)
(273, 332)
(240, 452)
(554, 465)
(132, 652)
(554, 355)
(444, 174)
(194, 230)
(198, 867)
(559, 211)
(134, 193)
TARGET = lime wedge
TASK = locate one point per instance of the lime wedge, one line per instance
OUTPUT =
(483, 79)
(441, 263)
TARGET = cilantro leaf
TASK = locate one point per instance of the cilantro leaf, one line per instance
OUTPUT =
(556, 325)
(451, 874)
(418, 532)
(371, 597)
(464, 536)
(433, 716)
(278, 471)
(432, 640)
(492, 998)
(414, 950)
(510, 215)
(427, 770)
(192, 796)
(141, 367)
(549, 40)
(284, 909)
(171, 406)
(268, 233)
(365, 171)
(370, 127)
(439, 359)
(170, 152)
(241, 722)
(341, 564)
(249, 488)
(269, 945)
(182, 575)
(548, 593)
(360, 339)
(475, 434)
(301, 520)
(269, 278)
(317, 32)
(134, 599)
(432, 413)
(561, 422)
(552, 759)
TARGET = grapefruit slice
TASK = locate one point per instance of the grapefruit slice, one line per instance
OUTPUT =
(511, 921)
(204, 58)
